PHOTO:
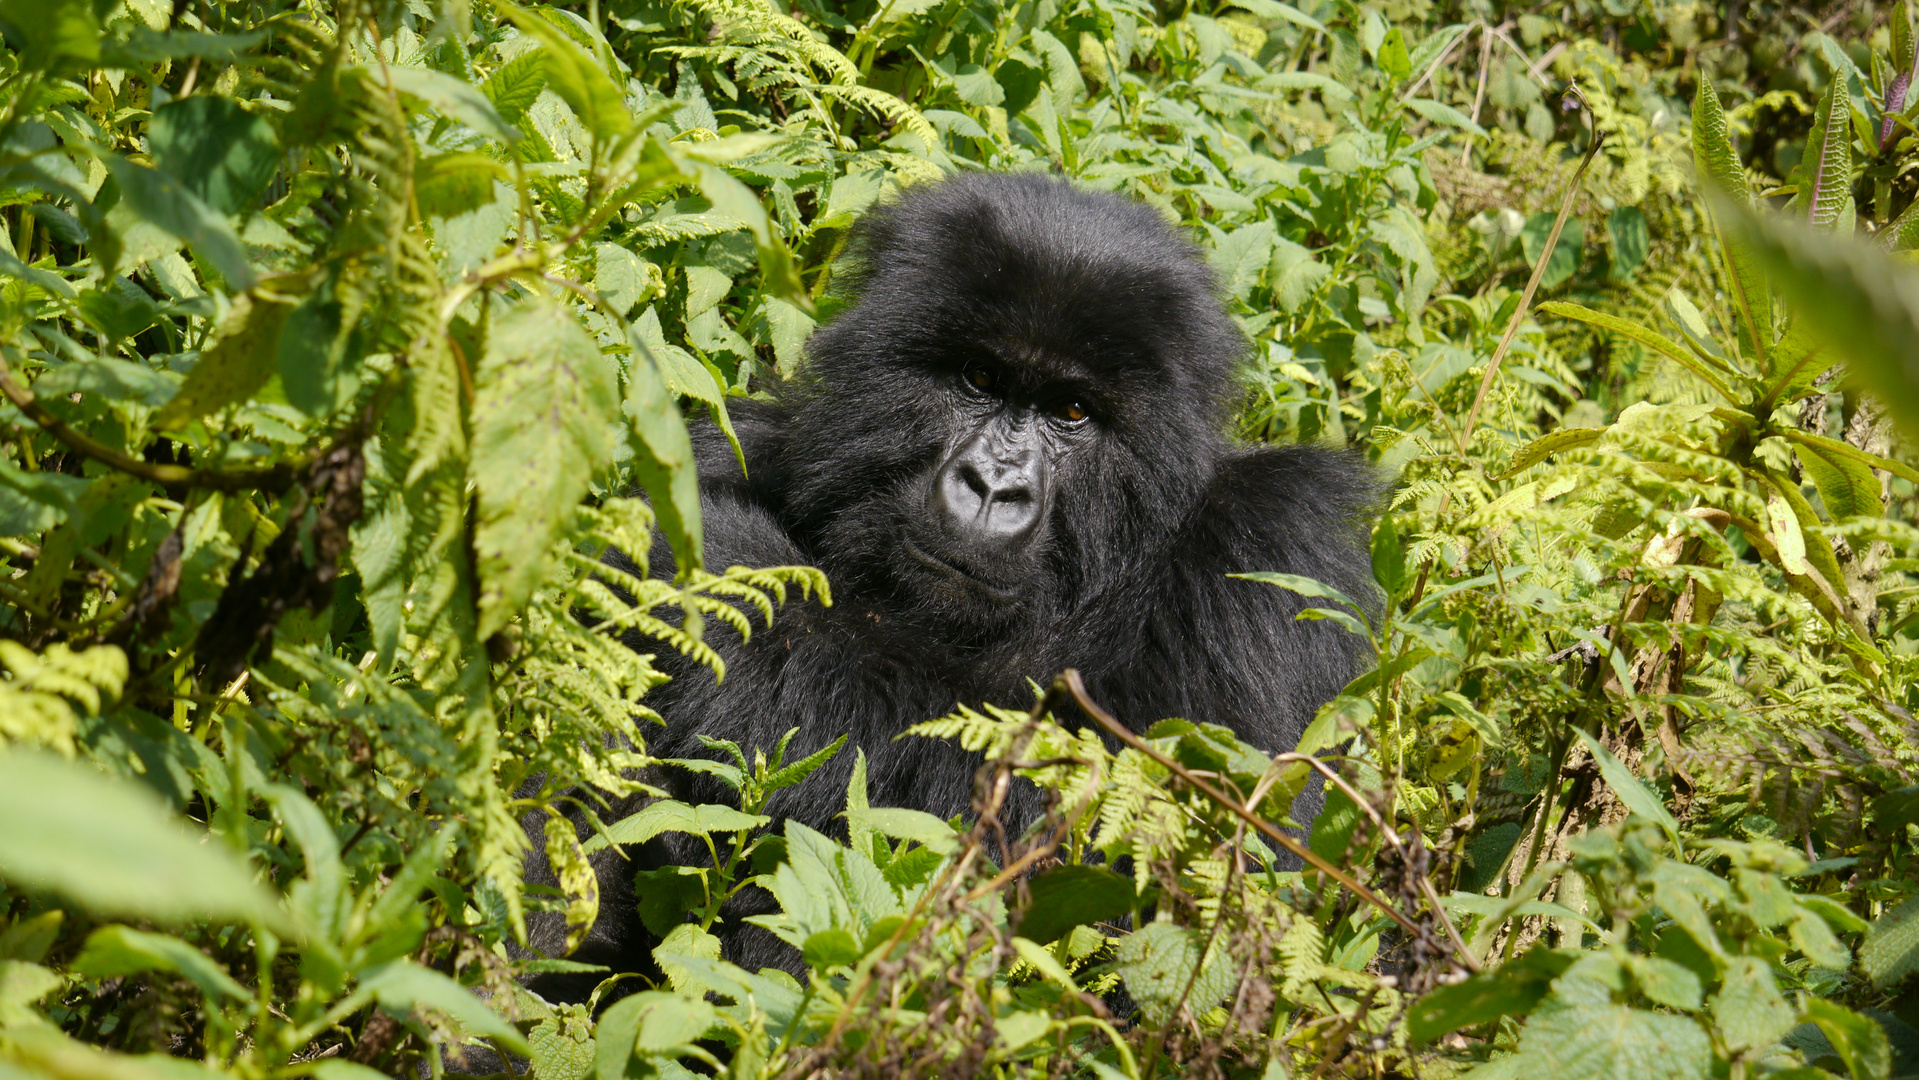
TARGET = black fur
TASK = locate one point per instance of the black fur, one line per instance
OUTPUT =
(1065, 295)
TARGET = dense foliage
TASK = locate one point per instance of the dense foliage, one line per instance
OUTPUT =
(338, 340)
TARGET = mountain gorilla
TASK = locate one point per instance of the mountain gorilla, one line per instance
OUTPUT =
(1009, 455)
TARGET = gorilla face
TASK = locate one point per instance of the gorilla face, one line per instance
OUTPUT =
(1028, 378)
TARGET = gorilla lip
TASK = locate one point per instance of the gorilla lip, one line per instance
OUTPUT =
(1003, 595)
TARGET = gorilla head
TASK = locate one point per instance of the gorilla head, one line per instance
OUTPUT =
(1009, 456)
(1031, 378)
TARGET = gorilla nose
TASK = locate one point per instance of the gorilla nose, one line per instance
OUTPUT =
(989, 500)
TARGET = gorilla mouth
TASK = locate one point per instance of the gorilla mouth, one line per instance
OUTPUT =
(1003, 595)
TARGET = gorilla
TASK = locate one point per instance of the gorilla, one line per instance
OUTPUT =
(1009, 454)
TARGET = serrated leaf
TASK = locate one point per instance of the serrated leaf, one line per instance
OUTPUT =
(1160, 960)
(1890, 951)
(787, 775)
(455, 98)
(543, 397)
(113, 951)
(402, 986)
(830, 948)
(1580, 1034)
(242, 359)
(1855, 296)
(516, 85)
(576, 76)
(1073, 895)
(1830, 182)
(901, 823)
(162, 200)
(1512, 989)
(216, 149)
(1644, 335)
(1859, 1041)
(1636, 796)
(1748, 1008)
(669, 815)
(1549, 444)
(1846, 485)
(114, 848)
(1715, 158)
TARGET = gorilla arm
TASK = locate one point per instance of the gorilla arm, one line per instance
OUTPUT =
(1223, 650)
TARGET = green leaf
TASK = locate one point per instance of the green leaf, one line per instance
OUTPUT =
(1388, 557)
(1304, 586)
(577, 77)
(668, 815)
(456, 98)
(403, 986)
(1551, 443)
(542, 400)
(113, 951)
(1636, 796)
(652, 1022)
(902, 824)
(1394, 61)
(516, 85)
(1273, 9)
(115, 848)
(314, 371)
(1853, 295)
(53, 31)
(1859, 1041)
(163, 200)
(1512, 989)
(215, 149)
(1829, 185)
(1073, 895)
(1846, 485)
(1043, 961)
(1580, 1034)
(1160, 960)
(1631, 240)
(830, 948)
(1796, 364)
(240, 362)
(1714, 157)
(1748, 1008)
(1441, 113)
(1644, 335)
(1890, 951)
(1566, 253)
(787, 775)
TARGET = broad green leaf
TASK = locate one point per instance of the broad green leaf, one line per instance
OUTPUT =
(114, 848)
(1855, 296)
(1858, 1040)
(668, 815)
(163, 200)
(1631, 241)
(1388, 557)
(1636, 796)
(1393, 59)
(903, 824)
(324, 897)
(242, 359)
(315, 371)
(543, 397)
(1890, 951)
(1644, 335)
(1846, 484)
(1797, 362)
(1714, 157)
(1566, 254)
(516, 85)
(830, 948)
(1441, 113)
(119, 950)
(456, 98)
(53, 32)
(1748, 1007)
(403, 986)
(1073, 895)
(1580, 1034)
(1549, 444)
(1512, 989)
(216, 149)
(648, 1023)
(1273, 9)
(1160, 960)
(1043, 961)
(577, 77)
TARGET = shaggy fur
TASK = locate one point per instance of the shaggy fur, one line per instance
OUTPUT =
(1066, 295)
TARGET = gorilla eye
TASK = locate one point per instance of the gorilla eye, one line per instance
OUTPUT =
(1072, 412)
(980, 379)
